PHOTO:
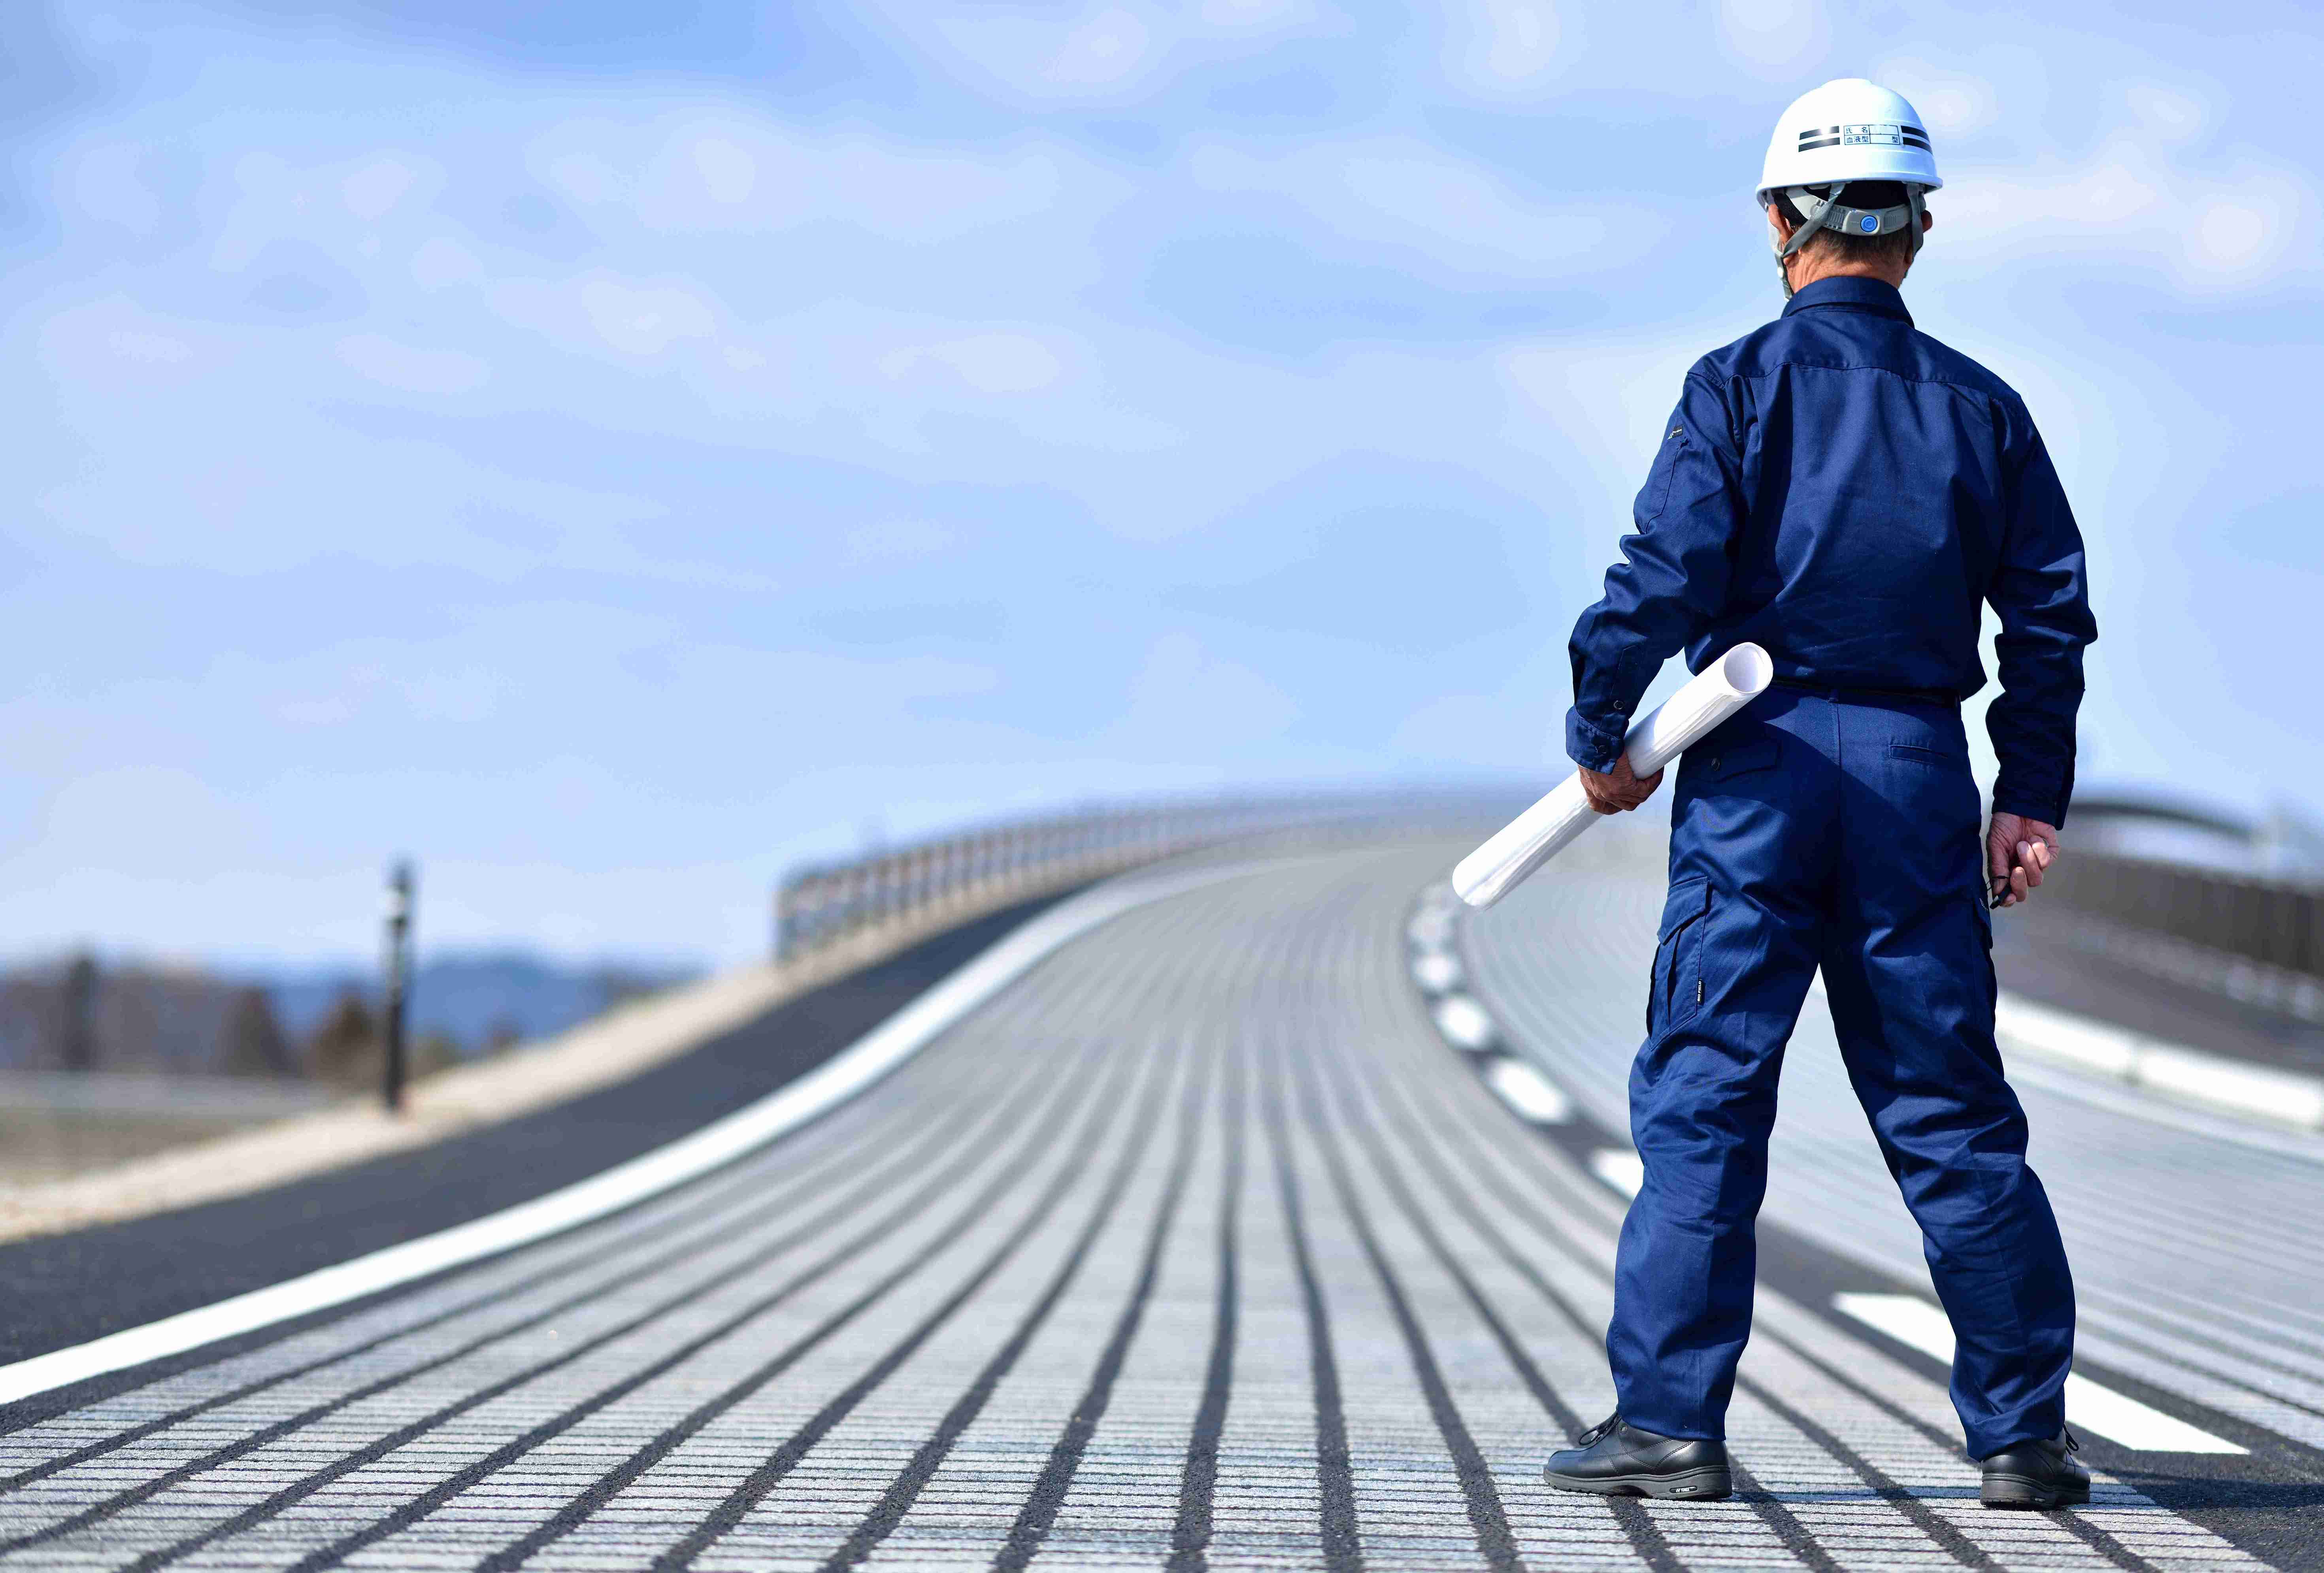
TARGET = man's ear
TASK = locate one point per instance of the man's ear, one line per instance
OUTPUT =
(1782, 226)
(1928, 221)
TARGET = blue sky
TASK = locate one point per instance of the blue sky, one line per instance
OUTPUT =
(612, 452)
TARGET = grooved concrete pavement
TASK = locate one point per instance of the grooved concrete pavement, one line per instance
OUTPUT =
(1197, 1248)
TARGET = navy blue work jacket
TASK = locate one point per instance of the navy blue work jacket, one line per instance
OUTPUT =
(1844, 489)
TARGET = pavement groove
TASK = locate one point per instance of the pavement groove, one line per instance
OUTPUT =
(1196, 1248)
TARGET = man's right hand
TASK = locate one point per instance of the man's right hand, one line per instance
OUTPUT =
(2018, 852)
(1619, 790)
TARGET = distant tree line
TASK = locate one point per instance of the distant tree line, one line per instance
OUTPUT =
(157, 1020)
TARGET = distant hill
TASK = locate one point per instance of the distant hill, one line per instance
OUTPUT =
(75, 1013)
(477, 997)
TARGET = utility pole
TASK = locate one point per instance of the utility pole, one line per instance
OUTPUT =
(399, 979)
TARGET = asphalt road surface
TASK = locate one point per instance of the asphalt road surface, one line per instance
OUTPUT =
(1201, 1246)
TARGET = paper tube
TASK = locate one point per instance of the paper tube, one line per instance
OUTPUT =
(1536, 835)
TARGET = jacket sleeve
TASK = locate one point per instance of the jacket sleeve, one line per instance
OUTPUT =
(2041, 593)
(1672, 577)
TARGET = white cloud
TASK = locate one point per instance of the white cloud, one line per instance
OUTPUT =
(895, 540)
(2170, 114)
(1183, 689)
(643, 320)
(739, 172)
(372, 191)
(1237, 15)
(586, 178)
(2127, 204)
(462, 696)
(728, 172)
(829, 349)
(442, 261)
(1499, 46)
(149, 348)
(415, 370)
(107, 182)
(1774, 38)
(1952, 102)
(1098, 53)
(2231, 236)
(1414, 195)
(1601, 404)
(1104, 49)
(114, 347)
(990, 363)
(1104, 53)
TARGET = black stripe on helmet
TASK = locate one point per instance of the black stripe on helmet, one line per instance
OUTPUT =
(1808, 137)
(1812, 146)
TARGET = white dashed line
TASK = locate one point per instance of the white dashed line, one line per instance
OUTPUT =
(1917, 1324)
(1464, 1024)
(1618, 1167)
(1430, 928)
(1533, 1095)
(1436, 972)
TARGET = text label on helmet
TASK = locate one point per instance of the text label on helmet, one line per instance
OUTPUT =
(1872, 133)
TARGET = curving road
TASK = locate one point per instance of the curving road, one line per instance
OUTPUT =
(1201, 1246)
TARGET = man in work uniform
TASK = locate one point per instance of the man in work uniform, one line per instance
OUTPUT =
(1844, 491)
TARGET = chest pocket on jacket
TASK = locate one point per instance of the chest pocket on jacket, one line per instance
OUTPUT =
(1678, 985)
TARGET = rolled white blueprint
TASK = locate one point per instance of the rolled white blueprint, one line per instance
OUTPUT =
(1679, 722)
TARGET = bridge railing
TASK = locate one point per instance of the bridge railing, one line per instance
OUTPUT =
(2257, 939)
(821, 905)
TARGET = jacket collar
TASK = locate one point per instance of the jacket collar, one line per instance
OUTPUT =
(1852, 294)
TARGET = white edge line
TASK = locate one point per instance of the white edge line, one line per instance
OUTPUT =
(2167, 1070)
(852, 1070)
(1912, 1322)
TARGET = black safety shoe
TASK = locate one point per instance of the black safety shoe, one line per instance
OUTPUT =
(1616, 1458)
(2035, 1474)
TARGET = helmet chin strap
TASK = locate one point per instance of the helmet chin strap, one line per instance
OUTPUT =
(1826, 213)
(1783, 253)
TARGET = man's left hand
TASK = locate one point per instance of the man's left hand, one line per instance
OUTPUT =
(2018, 852)
(1619, 790)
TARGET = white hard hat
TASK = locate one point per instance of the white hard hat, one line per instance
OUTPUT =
(1848, 130)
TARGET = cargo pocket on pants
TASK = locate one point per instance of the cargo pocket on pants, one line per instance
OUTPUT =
(1678, 986)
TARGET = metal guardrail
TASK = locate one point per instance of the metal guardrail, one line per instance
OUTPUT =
(2273, 923)
(820, 905)
(2255, 940)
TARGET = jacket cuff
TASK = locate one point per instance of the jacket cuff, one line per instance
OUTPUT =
(2010, 798)
(1594, 746)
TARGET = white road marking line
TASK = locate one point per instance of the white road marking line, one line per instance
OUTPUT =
(1533, 1095)
(1431, 928)
(1619, 1167)
(753, 1125)
(1436, 972)
(1912, 1322)
(1464, 1024)
(2171, 1070)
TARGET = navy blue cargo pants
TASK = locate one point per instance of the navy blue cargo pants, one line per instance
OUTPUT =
(1841, 834)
